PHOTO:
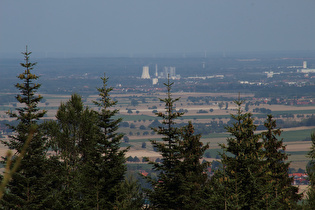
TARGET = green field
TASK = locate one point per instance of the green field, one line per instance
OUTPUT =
(206, 116)
(136, 117)
(216, 135)
(298, 135)
(311, 111)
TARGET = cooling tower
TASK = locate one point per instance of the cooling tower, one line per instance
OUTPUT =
(145, 73)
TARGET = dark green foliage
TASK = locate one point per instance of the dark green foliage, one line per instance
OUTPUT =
(262, 110)
(310, 203)
(191, 171)
(207, 155)
(134, 102)
(72, 137)
(240, 179)
(87, 145)
(181, 179)
(155, 124)
(279, 192)
(165, 188)
(254, 173)
(30, 187)
(136, 159)
(221, 104)
(106, 158)
(126, 139)
(129, 195)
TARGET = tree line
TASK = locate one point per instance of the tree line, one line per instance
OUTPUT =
(76, 162)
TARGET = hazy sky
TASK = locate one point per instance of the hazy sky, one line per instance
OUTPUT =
(156, 26)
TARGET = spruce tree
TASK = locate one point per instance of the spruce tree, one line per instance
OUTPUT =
(105, 168)
(240, 178)
(310, 201)
(194, 187)
(279, 192)
(30, 185)
(165, 188)
(129, 195)
(88, 146)
(181, 177)
(72, 135)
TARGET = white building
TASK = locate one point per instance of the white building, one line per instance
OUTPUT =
(155, 81)
(145, 72)
(305, 70)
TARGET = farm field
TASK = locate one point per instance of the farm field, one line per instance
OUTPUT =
(140, 116)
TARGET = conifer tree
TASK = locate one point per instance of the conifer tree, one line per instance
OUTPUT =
(240, 178)
(194, 187)
(72, 135)
(310, 201)
(88, 145)
(105, 168)
(29, 187)
(279, 192)
(165, 187)
(181, 180)
(129, 195)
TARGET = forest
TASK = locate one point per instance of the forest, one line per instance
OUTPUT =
(77, 162)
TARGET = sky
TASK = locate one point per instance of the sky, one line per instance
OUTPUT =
(156, 26)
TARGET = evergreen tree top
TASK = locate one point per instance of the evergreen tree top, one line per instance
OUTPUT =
(29, 113)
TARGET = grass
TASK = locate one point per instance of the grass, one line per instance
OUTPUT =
(141, 140)
(139, 166)
(215, 135)
(199, 117)
(5, 108)
(298, 135)
(147, 117)
(213, 152)
(304, 153)
(298, 157)
(311, 111)
(135, 117)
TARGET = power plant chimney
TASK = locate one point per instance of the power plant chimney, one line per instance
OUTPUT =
(156, 70)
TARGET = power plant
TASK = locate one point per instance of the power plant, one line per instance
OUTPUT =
(145, 72)
(167, 72)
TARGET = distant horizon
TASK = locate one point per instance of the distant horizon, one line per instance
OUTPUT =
(201, 54)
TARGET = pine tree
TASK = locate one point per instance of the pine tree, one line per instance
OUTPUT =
(30, 185)
(72, 135)
(88, 145)
(181, 180)
(194, 188)
(165, 188)
(240, 178)
(129, 195)
(279, 192)
(105, 168)
(310, 202)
